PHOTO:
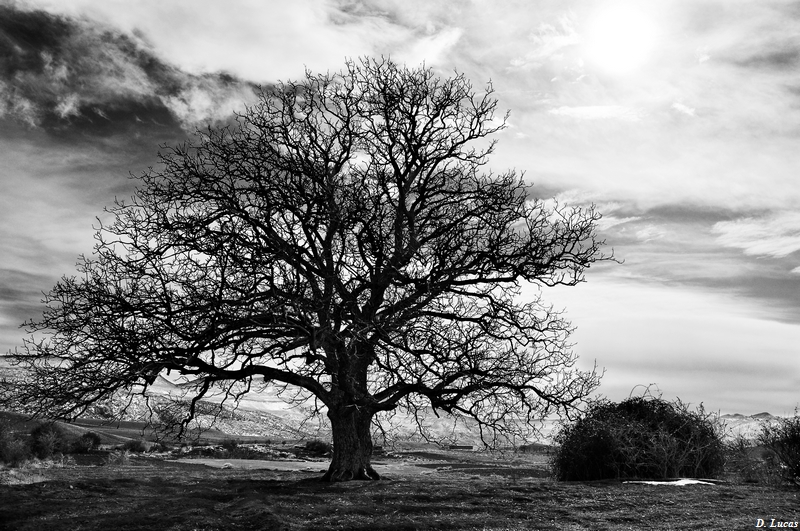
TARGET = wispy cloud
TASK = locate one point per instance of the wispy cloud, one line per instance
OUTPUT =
(598, 112)
(548, 43)
(776, 235)
(609, 221)
(430, 48)
(684, 109)
(677, 246)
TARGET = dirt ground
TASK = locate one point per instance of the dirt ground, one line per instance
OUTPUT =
(418, 492)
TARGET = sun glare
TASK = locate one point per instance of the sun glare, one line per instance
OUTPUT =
(619, 38)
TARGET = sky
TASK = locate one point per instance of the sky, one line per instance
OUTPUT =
(678, 119)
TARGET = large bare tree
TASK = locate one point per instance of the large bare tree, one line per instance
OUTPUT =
(342, 239)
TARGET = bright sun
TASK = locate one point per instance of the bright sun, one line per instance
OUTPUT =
(619, 38)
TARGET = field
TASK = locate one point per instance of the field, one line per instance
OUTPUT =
(424, 487)
(420, 490)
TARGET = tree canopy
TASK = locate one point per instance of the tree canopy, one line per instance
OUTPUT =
(343, 239)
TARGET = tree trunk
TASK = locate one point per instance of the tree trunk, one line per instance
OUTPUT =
(352, 445)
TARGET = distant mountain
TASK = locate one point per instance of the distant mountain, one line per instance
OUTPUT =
(264, 413)
(739, 416)
(747, 426)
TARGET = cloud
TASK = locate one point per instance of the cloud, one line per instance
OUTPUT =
(650, 233)
(598, 112)
(413, 31)
(549, 41)
(208, 97)
(430, 49)
(701, 54)
(684, 109)
(551, 52)
(18, 292)
(677, 246)
(776, 235)
(69, 75)
(607, 222)
(259, 41)
(85, 99)
(642, 333)
(702, 137)
(780, 57)
(709, 127)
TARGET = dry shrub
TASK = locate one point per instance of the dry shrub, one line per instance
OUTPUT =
(118, 457)
(749, 462)
(57, 461)
(782, 438)
(641, 437)
(48, 440)
(14, 450)
(742, 462)
(87, 442)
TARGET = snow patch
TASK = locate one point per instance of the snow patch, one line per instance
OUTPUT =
(679, 483)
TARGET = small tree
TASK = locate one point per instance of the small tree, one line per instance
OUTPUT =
(342, 241)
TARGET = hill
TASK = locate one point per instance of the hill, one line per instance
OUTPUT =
(264, 413)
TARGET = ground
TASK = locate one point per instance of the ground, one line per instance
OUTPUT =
(421, 490)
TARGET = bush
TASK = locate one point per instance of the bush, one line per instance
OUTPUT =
(136, 446)
(317, 447)
(533, 448)
(87, 442)
(782, 438)
(13, 449)
(642, 437)
(230, 445)
(48, 440)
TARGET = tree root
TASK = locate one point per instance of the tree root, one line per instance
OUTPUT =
(346, 474)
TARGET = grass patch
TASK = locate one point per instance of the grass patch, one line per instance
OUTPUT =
(180, 497)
